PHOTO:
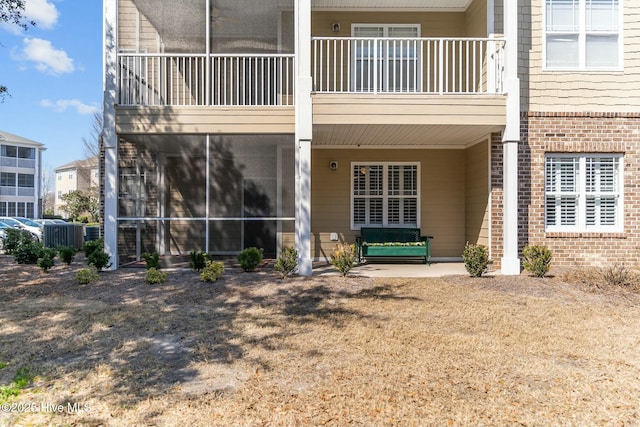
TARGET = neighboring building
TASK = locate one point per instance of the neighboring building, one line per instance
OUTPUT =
(78, 175)
(20, 176)
(237, 123)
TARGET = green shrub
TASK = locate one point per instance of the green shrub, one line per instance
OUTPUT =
(343, 257)
(96, 256)
(536, 260)
(15, 237)
(92, 245)
(47, 259)
(476, 259)
(99, 259)
(67, 254)
(155, 276)
(287, 262)
(250, 258)
(152, 260)
(28, 253)
(83, 219)
(87, 275)
(212, 271)
(198, 259)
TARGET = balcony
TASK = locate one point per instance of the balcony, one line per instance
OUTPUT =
(339, 65)
(205, 80)
(408, 65)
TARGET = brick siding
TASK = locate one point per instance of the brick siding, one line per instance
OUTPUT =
(570, 133)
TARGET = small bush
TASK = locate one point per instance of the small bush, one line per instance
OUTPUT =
(96, 256)
(155, 276)
(198, 259)
(152, 260)
(343, 257)
(476, 259)
(250, 258)
(536, 260)
(14, 238)
(67, 254)
(617, 275)
(99, 259)
(87, 275)
(212, 271)
(92, 246)
(47, 259)
(287, 262)
(28, 253)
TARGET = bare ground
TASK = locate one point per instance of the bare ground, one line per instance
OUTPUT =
(253, 349)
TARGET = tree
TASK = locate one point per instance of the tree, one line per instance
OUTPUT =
(12, 12)
(92, 143)
(78, 203)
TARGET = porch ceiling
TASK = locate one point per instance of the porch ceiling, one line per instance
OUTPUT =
(400, 136)
(437, 5)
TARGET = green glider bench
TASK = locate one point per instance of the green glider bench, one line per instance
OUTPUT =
(392, 242)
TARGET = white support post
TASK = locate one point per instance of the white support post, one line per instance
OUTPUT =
(303, 134)
(109, 136)
(510, 263)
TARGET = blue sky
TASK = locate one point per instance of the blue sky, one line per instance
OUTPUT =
(54, 75)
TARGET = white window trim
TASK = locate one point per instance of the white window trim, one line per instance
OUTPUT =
(385, 28)
(582, 42)
(581, 226)
(385, 196)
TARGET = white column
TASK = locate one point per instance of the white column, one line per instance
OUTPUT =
(510, 263)
(109, 136)
(303, 134)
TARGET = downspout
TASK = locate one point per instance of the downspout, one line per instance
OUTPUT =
(510, 263)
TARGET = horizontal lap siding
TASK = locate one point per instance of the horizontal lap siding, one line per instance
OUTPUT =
(442, 201)
(240, 120)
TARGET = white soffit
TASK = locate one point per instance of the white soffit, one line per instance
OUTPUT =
(398, 5)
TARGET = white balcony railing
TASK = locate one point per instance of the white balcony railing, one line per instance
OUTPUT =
(203, 80)
(408, 65)
(339, 65)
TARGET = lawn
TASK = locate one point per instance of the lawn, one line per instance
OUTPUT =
(253, 349)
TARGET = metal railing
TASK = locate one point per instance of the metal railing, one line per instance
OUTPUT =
(205, 80)
(408, 65)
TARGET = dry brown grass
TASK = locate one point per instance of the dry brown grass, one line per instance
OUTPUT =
(253, 349)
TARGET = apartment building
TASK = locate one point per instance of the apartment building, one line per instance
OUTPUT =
(271, 123)
(20, 176)
(79, 175)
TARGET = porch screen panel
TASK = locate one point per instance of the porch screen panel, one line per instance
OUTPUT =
(251, 190)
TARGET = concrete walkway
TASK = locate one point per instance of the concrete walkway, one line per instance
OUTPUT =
(436, 269)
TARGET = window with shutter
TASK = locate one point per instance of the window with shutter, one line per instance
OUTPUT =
(385, 194)
(583, 192)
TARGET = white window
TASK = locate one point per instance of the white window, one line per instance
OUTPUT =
(583, 34)
(59, 195)
(385, 194)
(583, 192)
(386, 58)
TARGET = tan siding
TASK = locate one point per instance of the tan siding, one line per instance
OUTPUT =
(448, 24)
(477, 194)
(442, 200)
(134, 29)
(552, 91)
(476, 19)
(397, 109)
(240, 120)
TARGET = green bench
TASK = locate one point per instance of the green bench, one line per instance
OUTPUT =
(392, 242)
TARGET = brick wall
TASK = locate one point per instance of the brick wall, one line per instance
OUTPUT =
(571, 133)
